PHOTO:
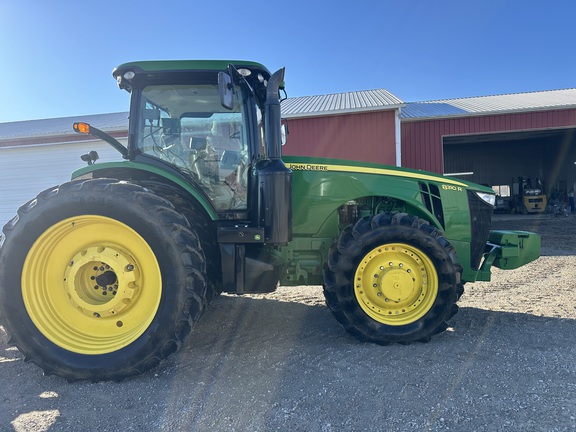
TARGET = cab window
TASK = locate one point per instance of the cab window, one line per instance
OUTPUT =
(186, 126)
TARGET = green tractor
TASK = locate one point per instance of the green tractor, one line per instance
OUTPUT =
(103, 277)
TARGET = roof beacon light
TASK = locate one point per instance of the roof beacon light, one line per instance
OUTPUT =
(244, 72)
(86, 129)
(82, 128)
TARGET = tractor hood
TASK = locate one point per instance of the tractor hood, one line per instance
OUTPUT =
(300, 163)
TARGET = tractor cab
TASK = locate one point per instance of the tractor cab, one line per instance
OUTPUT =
(178, 118)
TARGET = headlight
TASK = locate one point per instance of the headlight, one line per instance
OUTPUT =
(244, 72)
(488, 198)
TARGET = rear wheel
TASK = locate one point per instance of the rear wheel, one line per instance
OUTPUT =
(392, 278)
(105, 280)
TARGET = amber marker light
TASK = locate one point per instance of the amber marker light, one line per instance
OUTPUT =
(83, 128)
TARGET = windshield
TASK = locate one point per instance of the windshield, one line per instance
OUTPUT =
(187, 126)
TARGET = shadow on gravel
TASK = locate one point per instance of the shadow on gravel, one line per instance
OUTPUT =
(260, 364)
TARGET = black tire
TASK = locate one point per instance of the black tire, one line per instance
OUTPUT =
(157, 297)
(200, 223)
(398, 245)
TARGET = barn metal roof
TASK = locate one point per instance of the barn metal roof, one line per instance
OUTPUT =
(61, 126)
(331, 104)
(340, 103)
(517, 102)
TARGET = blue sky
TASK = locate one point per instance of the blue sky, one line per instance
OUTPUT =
(56, 57)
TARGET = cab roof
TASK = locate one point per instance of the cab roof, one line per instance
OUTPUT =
(157, 66)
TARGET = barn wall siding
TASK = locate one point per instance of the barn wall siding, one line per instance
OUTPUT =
(25, 171)
(368, 137)
(422, 140)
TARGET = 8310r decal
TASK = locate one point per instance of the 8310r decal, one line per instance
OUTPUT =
(452, 188)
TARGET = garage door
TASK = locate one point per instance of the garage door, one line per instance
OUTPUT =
(25, 171)
(499, 159)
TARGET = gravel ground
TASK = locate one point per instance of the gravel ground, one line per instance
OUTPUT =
(281, 362)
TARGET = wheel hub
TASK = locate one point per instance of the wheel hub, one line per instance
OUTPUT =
(107, 279)
(101, 281)
(393, 284)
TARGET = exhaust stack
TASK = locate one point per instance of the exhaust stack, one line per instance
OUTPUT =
(274, 178)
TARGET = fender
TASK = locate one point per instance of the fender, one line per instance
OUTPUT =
(139, 171)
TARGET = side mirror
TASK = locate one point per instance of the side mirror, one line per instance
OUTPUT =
(225, 88)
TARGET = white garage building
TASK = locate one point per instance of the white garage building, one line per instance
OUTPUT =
(38, 154)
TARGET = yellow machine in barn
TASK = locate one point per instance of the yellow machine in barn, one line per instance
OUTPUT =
(530, 199)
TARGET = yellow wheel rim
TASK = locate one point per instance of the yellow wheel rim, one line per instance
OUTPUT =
(396, 284)
(91, 284)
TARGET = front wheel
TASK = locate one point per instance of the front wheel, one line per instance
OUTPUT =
(392, 278)
(99, 280)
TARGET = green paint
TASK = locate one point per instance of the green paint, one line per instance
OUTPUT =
(191, 65)
(130, 166)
